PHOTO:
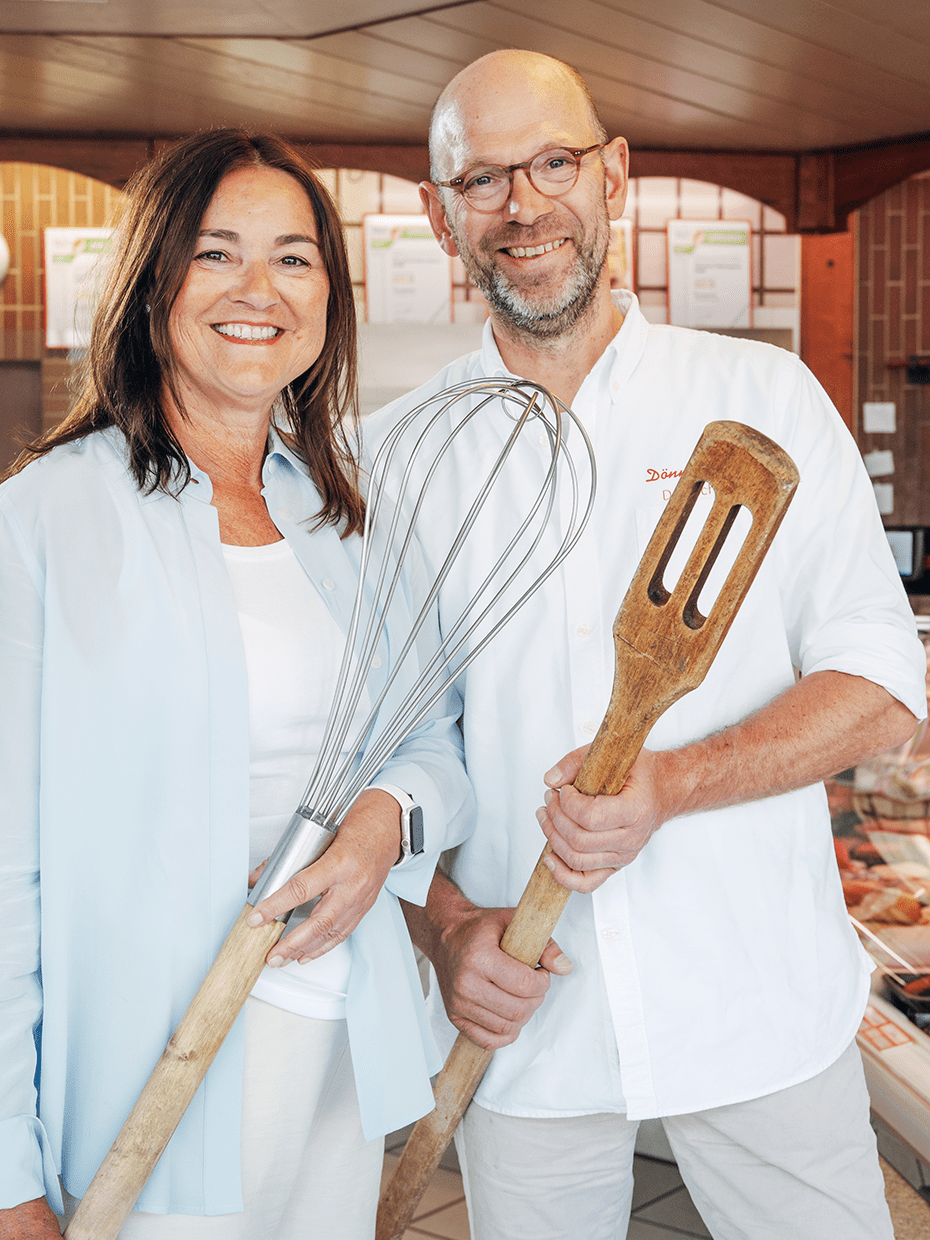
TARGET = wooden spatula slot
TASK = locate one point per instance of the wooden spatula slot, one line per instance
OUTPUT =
(692, 615)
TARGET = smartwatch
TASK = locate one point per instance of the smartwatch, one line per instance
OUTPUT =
(411, 822)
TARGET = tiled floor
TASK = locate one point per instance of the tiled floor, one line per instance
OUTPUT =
(662, 1207)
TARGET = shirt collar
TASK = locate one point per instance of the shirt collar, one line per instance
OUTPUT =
(279, 451)
(200, 488)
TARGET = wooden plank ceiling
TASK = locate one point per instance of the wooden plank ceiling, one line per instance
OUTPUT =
(748, 75)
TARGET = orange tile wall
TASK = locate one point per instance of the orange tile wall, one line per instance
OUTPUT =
(893, 323)
(35, 197)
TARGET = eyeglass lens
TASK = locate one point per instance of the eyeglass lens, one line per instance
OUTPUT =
(552, 172)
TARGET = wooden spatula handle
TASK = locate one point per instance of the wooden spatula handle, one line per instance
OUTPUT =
(604, 769)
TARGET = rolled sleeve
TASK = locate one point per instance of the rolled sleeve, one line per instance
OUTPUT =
(845, 608)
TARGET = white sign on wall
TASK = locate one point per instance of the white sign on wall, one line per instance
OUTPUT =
(709, 273)
(408, 277)
(70, 257)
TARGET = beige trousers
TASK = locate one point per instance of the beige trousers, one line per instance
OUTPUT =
(307, 1169)
(800, 1164)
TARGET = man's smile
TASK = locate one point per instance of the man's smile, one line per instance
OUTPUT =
(518, 251)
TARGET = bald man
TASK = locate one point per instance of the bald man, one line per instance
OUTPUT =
(706, 971)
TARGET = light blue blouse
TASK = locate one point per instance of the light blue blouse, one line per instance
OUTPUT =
(124, 784)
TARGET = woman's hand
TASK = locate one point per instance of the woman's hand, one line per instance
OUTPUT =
(33, 1220)
(347, 878)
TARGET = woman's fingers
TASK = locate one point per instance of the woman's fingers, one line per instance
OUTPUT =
(345, 881)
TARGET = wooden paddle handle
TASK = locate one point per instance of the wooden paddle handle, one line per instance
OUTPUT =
(604, 769)
(174, 1081)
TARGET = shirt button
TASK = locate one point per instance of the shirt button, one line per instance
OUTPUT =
(376, 662)
(272, 465)
(608, 933)
(284, 513)
(615, 385)
(327, 584)
(583, 630)
(589, 727)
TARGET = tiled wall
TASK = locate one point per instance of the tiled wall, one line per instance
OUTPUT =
(363, 193)
(893, 273)
(33, 198)
(651, 201)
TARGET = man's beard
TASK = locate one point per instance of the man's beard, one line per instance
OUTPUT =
(541, 316)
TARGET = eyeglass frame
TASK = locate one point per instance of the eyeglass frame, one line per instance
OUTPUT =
(577, 153)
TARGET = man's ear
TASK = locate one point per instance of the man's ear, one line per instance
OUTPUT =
(616, 155)
(429, 196)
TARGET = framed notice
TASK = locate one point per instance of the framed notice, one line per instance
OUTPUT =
(408, 277)
(620, 254)
(709, 273)
(71, 255)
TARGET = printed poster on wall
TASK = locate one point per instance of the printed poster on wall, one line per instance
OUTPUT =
(70, 257)
(709, 273)
(408, 277)
(620, 254)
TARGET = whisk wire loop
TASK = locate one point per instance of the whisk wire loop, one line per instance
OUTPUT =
(354, 751)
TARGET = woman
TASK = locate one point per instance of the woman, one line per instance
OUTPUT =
(177, 565)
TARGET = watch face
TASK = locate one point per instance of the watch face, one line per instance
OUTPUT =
(415, 820)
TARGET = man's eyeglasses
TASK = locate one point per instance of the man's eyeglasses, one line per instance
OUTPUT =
(551, 173)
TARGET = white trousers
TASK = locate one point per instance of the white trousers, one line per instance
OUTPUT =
(307, 1169)
(800, 1164)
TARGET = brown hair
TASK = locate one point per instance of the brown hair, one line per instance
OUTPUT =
(130, 360)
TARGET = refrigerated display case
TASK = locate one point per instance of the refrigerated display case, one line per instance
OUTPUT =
(881, 828)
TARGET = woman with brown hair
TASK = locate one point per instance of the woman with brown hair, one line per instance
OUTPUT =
(177, 566)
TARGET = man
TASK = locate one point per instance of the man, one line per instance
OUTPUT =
(711, 976)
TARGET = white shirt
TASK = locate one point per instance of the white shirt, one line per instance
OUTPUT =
(720, 965)
(293, 648)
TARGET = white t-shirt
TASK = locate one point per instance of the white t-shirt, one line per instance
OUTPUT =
(293, 648)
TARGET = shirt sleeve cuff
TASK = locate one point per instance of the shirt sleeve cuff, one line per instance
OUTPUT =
(27, 1166)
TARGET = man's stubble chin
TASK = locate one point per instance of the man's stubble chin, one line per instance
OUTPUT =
(537, 314)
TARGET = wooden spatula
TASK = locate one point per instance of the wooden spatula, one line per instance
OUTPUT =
(664, 647)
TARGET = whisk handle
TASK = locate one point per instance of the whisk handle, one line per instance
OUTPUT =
(174, 1080)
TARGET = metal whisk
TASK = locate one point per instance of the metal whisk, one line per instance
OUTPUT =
(339, 776)
(352, 753)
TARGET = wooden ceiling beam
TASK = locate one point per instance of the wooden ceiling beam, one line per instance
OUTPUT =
(112, 160)
(768, 177)
(861, 173)
(815, 191)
